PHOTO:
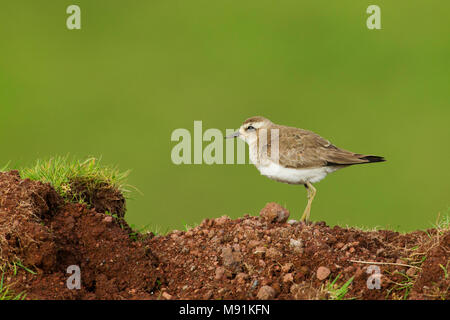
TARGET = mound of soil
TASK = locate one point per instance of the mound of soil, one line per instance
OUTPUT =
(41, 232)
(265, 257)
(23, 205)
(252, 258)
(99, 195)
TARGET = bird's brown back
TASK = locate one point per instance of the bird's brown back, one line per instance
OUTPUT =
(299, 148)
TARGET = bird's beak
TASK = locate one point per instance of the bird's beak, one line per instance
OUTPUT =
(234, 135)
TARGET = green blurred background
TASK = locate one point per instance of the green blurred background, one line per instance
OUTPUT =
(137, 70)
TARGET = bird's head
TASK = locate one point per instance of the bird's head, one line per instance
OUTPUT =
(249, 130)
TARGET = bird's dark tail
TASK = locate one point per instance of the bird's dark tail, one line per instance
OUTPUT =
(373, 159)
(348, 159)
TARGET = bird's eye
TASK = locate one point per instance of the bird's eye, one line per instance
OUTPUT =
(250, 128)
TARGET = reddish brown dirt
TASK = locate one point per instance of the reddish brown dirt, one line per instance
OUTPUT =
(248, 258)
(234, 259)
(100, 196)
(50, 236)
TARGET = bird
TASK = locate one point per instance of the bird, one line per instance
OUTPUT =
(295, 156)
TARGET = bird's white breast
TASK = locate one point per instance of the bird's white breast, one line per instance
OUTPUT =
(275, 171)
(294, 176)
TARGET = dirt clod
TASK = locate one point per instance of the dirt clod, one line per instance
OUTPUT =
(167, 296)
(273, 212)
(231, 259)
(266, 293)
(322, 273)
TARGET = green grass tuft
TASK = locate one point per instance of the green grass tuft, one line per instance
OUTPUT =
(60, 171)
(5, 167)
(443, 223)
(7, 294)
(155, 229)
(338, 293)
(19, 264)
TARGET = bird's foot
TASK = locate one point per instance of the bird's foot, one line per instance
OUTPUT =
(306, 214)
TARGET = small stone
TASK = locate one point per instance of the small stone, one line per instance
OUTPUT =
(296, 243)
(166, 296)
(322, 273)
(273, 212)
(220, 271)
(108, 219)
(288, 277)
(277, 288)
(221, 221)
(253, 243)
(231, 259)
(266, 293)
(339, 245)
(287, 267)
(241, 277)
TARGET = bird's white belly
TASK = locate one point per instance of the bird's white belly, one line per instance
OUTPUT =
(294, 176)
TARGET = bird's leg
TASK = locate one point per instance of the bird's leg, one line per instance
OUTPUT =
(311, 194)
(305, 212)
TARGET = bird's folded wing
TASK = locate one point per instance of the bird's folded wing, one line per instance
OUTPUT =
(304, 149)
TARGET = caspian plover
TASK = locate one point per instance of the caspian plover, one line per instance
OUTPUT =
(295, 156)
